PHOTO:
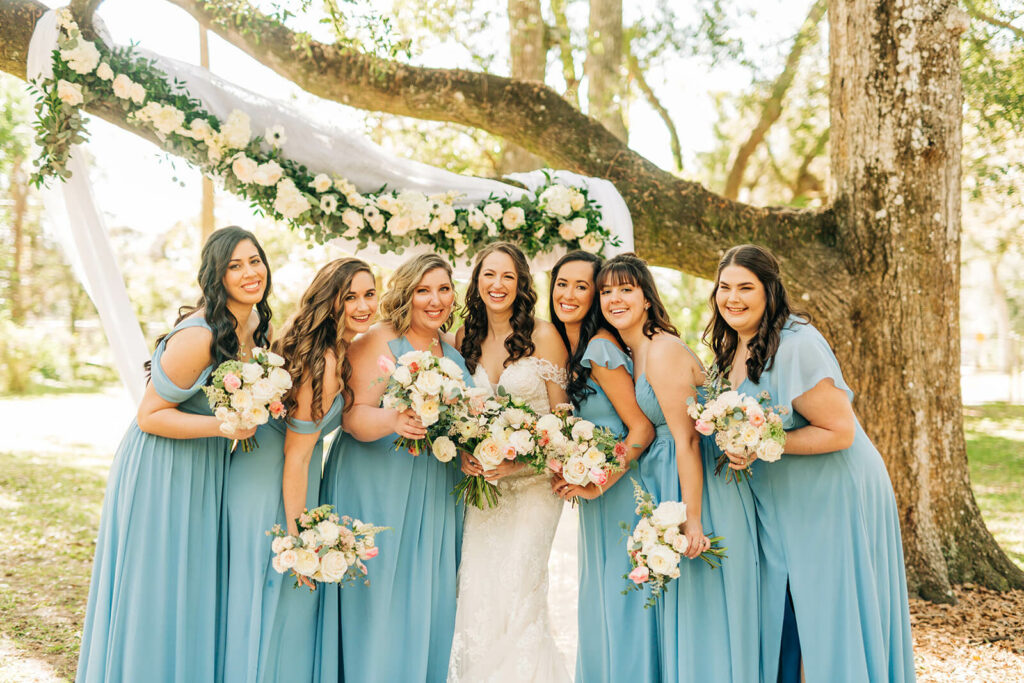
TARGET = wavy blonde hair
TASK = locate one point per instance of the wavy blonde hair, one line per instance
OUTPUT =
(319, 326)
(396, 304)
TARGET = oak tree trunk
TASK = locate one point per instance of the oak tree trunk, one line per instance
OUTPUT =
(528, 62)
(603, 68)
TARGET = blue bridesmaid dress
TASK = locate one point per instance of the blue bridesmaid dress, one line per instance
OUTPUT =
(400, 627)
(270, 627)
(830, 537)
(618, 638)
(152, 611)
(707, 618)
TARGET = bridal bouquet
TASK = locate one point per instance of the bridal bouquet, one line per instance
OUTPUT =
(741, 424)
(580, 451)
(431, 386)
(657, 542)
(494, 429)
(328, 549)
(244, 395)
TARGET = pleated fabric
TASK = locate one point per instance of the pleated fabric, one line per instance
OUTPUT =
(152, 610)
(829, 532)
(269, 629)
(400, 627)
(618, 638)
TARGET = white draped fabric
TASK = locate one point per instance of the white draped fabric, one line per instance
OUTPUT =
(322, 148)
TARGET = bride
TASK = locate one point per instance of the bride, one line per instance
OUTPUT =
(502, 630)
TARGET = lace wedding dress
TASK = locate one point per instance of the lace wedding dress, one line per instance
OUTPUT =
(502, 630)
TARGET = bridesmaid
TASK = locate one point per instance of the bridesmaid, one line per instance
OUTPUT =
(269, 629)
(153, 602)
(399, 628)
(707, 619)
(617, 636)
(831, 554)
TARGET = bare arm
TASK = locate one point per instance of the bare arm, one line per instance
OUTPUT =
(672, 389)
(832, 424)
(298, 448)
(185, 356)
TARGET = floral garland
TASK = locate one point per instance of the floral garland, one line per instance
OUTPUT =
(325, 206)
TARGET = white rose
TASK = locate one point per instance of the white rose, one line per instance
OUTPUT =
(662, 560)
(288, 559)
(475, 218)
(679, 543)
(576, 199)
(449, 367)
(289, 202)
(583, 430)
(104, 72)
(575, 471)
(402, 375)
(566, 232)
(644, 533)
(328, 203)
(513, 218)
(556, 200)
(308, 538)
(446, 214)
(493, 211)
(122, 86)
(374, 218)
(241, 400)
(257, 415)
(514, 417)
(200, 129)
(322, 182)
(243, 167)
(522, 441)
(591, 243)
(235, 133)
(280, 378)
(489, 453)
(592, 458)
(263, 391)
(579, 226)
(399, 225)
(167, 119)
(267, 174)
(83, 58)
(280, 544)
(428, 410)
(275, 360)
(671, 534)
(222, 413)
(460, 247)
(670, 513)
(549, 423)
(429, 382)
(750, 435)
(137, 93)
(69, 93)
(251, 372)
(328, 531)
(444, 449)
(353, 220)
(333, 566)
(769, 450)
(306, 562)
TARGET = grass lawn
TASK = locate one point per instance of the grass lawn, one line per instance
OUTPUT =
(51, 489)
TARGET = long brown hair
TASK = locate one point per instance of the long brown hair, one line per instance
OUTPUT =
(761, 350)
(631, 269)
(316, 328)
(519, 344)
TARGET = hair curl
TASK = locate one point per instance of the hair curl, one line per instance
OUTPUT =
(723, 340)
(318, 326)
(592, 323)
(631, 269)
(519, 344)
(213, 264)
(396, 304)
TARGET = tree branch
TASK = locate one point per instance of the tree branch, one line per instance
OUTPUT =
(637, 73)
(562, 37)
(771, 109)
(973, 10)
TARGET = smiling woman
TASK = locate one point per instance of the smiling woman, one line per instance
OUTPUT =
(152, 609)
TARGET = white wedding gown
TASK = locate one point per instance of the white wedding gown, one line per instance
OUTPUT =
(502, 628)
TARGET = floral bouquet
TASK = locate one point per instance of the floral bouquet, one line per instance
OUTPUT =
(741, 424)
(431, 386)
(328, 549)
(656, 545)
(244, 395)
(494, 429)
(577, 449)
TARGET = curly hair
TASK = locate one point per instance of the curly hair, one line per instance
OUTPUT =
(519, 344)
(213, 264)
(633, 270)
(318, 326)
(396, 304)
(592, 323)
(723, 340)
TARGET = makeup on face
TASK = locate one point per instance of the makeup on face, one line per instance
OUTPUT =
(572, 292)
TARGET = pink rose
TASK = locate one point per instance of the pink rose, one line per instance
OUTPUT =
(232, 382)
(276, 408)
(510, 452)
(369, 553)
(640, 575)
(756, 419)
(554, 465)
(598, 476)
(620, 451)
(706, 428)
(385, 365)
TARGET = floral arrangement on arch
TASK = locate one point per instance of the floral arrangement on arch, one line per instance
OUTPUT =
(326, 206)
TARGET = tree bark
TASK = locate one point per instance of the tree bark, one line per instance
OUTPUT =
(896, 120)
(206, 209)
(879, 270)
(526, 31)
(771, 108)
(603, 68)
